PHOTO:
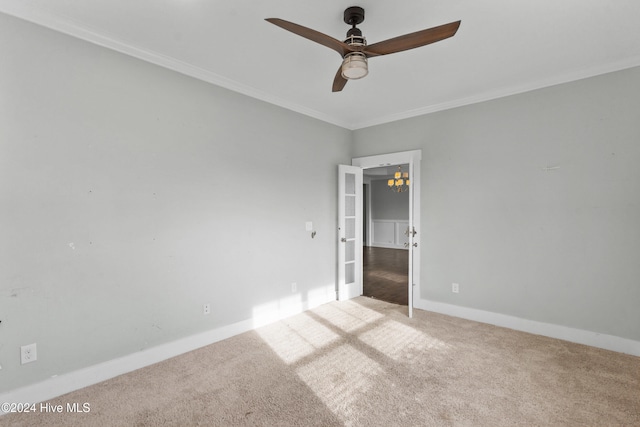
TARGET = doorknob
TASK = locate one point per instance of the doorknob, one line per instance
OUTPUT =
(410, 231)
(415, 245)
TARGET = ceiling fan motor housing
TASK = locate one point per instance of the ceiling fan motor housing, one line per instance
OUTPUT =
(353, 16)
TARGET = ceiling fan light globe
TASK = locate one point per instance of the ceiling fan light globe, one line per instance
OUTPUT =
(355, 66)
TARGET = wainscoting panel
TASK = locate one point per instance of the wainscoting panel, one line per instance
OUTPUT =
(389, 233)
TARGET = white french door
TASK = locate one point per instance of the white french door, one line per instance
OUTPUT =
(349, 232)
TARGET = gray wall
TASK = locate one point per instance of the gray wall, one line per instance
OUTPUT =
(387, 204)
(532, 202)
(132, 195)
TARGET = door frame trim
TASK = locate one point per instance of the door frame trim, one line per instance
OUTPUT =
(412, 158)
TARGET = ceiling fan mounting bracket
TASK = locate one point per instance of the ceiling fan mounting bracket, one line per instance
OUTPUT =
(353, 15)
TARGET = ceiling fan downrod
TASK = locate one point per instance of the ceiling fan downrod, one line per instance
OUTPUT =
(353, 16)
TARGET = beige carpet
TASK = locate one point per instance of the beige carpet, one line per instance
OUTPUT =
(364, 363)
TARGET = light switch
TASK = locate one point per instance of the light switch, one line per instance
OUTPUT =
(308, 226)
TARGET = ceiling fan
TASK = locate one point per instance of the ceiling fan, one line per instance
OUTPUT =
(354, 49)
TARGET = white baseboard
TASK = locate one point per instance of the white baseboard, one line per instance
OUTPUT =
(579, 336)
(59, 385)
(66, 383)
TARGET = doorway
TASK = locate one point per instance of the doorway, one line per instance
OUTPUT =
(385, 258)
(412, 237)
(349, 281)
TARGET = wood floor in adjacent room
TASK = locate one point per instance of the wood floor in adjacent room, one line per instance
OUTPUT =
(386, 274)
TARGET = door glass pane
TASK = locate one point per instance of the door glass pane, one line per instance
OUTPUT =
(350, 273)
(350, 251)
(350, 205)
(350, 183)
(350, 228)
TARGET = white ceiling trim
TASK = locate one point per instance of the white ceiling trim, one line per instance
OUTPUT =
(514, 90)
(68, 26)
(65, 26)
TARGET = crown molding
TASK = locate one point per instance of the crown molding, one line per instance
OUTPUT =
(67, 26)
(504, 92)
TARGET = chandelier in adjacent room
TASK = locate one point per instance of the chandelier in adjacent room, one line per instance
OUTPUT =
(400, 181)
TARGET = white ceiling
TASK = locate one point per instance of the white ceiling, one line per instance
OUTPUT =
(502, 47)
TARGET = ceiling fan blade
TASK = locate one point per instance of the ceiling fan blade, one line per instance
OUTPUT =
(413, 40)
(338, 81)
(316, 36)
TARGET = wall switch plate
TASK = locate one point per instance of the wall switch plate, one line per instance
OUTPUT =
(455, 288)
(28, 353)
(294, 287)
(206, 309)
(308, 226)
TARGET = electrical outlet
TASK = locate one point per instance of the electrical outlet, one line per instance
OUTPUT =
(294, 287)
(455, 288)
(28, 353)
(206, 309)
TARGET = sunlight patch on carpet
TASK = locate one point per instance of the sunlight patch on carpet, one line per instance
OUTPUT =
(276, 310)
(294, 339)
(346, 316)
(341, 378)
(397, 340)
